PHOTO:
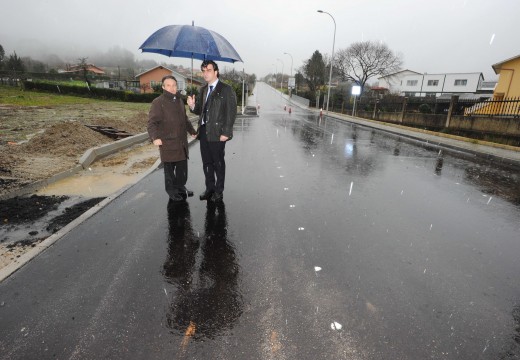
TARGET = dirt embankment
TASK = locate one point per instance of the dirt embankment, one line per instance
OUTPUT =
(37, 143)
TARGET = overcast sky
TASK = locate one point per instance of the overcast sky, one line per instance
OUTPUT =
(433, 36)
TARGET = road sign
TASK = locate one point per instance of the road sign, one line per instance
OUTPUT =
(291, 83)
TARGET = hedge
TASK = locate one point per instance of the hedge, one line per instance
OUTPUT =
(93, 92)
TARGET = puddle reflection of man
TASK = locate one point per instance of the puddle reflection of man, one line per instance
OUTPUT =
(183, 245)
(206, 297)
(168, 125)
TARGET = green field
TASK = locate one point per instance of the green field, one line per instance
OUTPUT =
(10, 95)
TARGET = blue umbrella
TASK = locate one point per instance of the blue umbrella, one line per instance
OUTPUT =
(193, 42)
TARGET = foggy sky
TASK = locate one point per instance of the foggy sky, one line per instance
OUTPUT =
(441, 36)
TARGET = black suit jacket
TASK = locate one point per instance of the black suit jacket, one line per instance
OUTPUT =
(221, 110)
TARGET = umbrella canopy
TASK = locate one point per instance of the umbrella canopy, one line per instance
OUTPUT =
(190, 41)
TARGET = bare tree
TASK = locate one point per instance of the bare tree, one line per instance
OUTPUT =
(364, 60)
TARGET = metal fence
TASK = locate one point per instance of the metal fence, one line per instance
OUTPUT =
(495, 107)
(509, 107)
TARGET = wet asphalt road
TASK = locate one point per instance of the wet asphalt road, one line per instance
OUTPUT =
(334, 241)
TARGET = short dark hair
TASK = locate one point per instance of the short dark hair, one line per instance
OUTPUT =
(168, 77)
(205, 64)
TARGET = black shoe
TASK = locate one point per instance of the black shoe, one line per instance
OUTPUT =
(206, 195)
(217, 197)
(189, 192)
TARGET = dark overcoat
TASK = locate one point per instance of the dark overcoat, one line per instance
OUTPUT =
(167, 120)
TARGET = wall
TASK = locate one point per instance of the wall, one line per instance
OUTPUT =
(499, 130)
(300, 100)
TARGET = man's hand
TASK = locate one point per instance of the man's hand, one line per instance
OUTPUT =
(157, 142)
(223, 138)
(191, 101)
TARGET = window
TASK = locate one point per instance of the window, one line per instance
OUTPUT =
(411, 82)
(433, 82)
(460, 82)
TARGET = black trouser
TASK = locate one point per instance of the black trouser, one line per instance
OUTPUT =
(213, 164)
(175, 177)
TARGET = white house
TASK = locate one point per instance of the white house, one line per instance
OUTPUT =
(411, 83)
(394, 82)
(437, 84)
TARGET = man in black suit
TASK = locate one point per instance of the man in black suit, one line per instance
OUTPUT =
(216, 105)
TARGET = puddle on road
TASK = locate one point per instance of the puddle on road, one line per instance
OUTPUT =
(89, 185)
(107, 176)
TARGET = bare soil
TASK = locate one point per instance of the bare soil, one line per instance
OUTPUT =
(39, 142)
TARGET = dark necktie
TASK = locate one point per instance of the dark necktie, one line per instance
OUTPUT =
(206, 105)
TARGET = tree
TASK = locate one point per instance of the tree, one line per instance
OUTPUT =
(364, 60)
(299, 79)
(15, 63)
(314, 71)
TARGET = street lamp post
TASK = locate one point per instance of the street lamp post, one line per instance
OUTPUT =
(281, 81)
(332, 56)
(275, 71)
(290, 91)
(243, 83)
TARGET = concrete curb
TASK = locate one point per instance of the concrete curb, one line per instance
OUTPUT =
(94, 154)
(90, 156)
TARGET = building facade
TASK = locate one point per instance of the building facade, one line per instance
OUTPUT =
(394, 82)
(152, 77)
(508, 72)
(413, 84)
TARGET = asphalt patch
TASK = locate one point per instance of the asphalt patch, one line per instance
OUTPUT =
(71, 213)
(20, 210)
(26, 221)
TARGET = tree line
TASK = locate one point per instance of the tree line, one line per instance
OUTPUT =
(13, 62)
(118, 63)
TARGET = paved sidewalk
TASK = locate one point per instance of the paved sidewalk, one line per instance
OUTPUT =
(504, 154)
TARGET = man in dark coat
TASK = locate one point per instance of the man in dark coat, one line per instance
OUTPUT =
(216, 105)
(168, 125)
